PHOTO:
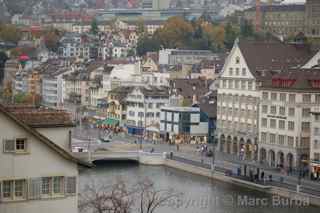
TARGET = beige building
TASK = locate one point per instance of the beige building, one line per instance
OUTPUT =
(36, 174)
(285, 126)
(282, 20)
(312, 17)
(238, 92)
(315, 142)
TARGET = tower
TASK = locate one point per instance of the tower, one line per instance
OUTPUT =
(258, 16)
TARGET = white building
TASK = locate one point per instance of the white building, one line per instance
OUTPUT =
(120, 51)
(143, 110)
(36, 175)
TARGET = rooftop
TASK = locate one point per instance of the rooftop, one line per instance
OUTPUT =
(39, 117)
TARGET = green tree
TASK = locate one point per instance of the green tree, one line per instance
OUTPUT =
(10, 33)
(94, 27)
(246, 30)
(51, 40)
(230, 36)
(147, 44)
(140, 27)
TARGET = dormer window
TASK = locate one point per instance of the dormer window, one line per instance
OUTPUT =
(237, 60)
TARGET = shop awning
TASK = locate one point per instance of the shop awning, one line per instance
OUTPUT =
(110, 122)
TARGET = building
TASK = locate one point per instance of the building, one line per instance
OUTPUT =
(36, 175)
(117, 105)
(285, 125)
(184, 125)
(175, 57)
(315, 142)
(282, 20)
(238, 92)
(312, 18)
(143, 110)
(156, 4)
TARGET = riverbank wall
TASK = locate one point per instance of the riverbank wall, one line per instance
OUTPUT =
(283, 192)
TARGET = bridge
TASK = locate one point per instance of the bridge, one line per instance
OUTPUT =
(139, 156)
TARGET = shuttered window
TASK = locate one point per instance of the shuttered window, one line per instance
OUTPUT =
(8, 146)
(71, 185)
(34, 189)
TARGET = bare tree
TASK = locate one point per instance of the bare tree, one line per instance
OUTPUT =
(143, 197)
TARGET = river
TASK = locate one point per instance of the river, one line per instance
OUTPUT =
(199, 194)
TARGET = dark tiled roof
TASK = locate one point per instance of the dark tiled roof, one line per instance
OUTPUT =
(41, 117)
(121, 93)
(189, 87)
(298, 79)
(41, 137)
(274, 56)
(155, 91)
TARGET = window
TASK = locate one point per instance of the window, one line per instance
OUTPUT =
(306, 98)
(282, 124)
(290, 141)
(58, 185)
(237, 71)
(264, 122)
(306, 112)
(250, 85)
(224, 83)
(272, 138)
(237, 60)
(317, 98)
(19, 188)
(283, 96)
(231, 71)
(273, 110)
(132, 113)
(263, 137)
(264, 109)
(281, 139)
(14, 189)
(46, 186)
(305, 126)
(244, 72)
(273, 96)
(18, 145)
(7, 188)
(150, 105)
(273, 123)
(243, 85)
(71, 185)
(21, 145)
(292, 98)
(265, 95)
(291, 112)
(282, 111)
(291, 125)
(316, 131)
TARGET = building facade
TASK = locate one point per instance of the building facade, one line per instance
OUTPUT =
(184, 125)
(312, 18)
(35, 174)
(285, 126)
(238, 92)
(143, 110)
(282, 20)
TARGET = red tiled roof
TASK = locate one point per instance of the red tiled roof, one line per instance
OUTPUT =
(41, 117)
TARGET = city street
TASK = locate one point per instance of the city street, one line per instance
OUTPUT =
(190, 154)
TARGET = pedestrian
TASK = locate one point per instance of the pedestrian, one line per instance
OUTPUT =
(171, 155)
(251, 175)
(177, 147)
(270, 178)
(262, 175)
